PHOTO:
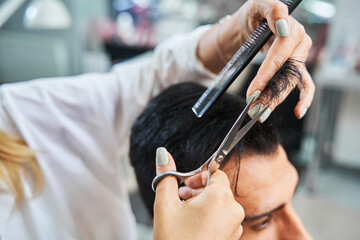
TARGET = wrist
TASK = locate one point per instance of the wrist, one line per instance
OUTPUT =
(217, 45)
(229, 37)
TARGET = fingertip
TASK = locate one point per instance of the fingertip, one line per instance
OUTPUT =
(251, 88)
(278, 19)
(300, 111)
(186, 192)
(164, 161)
(198, 180)
(255, 110)
(255, 95)
(265, 115)
(282, 28)
(306, 97)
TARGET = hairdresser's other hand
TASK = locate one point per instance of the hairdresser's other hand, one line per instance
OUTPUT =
(212, 214)
(220, 42)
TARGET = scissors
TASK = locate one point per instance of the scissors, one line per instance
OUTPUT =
(214, 162)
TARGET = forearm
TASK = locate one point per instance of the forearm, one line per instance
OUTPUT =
(219, 44)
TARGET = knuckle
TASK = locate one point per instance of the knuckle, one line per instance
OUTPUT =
(220, 176)
(309, 83)
(278, 61)
(308, 41)
(241, 230)
(284, 94)
(278, 10)
(238, 233)
(273, 104)
(229, 194)
(236, 211)
(301, 30)
(258, 82)
(224, 192)
(217, 197)
(312, 86)
(241, 212)
(224, 196)
(297, 28)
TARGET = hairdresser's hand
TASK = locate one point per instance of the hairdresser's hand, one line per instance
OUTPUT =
(213, 214)
(193, 185)
(219, 44)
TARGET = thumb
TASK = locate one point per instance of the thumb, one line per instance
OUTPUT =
(167, 188)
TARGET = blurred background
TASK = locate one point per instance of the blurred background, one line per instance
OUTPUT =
(50, 38)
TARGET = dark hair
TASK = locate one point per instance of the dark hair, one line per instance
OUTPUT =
(169, 122)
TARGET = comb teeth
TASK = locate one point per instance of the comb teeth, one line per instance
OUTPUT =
(287, 2)
(256, 35)
(261, 29)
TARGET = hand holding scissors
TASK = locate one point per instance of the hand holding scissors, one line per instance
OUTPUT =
(214, 162)
(176, 219)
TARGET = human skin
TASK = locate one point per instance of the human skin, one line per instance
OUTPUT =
(230, 35)
(265, 183)
(196, 218)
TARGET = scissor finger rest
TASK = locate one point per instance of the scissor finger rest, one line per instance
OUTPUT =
(231, 139)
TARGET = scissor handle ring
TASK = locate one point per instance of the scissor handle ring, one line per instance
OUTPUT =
(162, 175)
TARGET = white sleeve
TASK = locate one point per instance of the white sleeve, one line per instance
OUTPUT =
(174, 61)
(78, 127)
(106, 104)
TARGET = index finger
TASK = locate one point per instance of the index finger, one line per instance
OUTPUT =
(279, 52)
(197, 181)
(219, 178)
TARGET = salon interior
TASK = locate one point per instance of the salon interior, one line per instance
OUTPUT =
(51, 38)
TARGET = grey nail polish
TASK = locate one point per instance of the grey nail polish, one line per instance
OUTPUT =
(282, 28)
(255, 110)
(254, 95)
(265, 115)
(162, 157)
(303, 112)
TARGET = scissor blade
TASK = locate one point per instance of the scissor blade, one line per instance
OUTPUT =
(225, 145)
(245, 129)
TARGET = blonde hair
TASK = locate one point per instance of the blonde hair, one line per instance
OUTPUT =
(16, 161)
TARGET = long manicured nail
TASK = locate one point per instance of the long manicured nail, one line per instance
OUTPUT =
(255, 110)
(282, 28)
(254, 95)
(265, 115)
(162, 157)
(303, 112)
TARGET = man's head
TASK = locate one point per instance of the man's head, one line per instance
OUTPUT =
(262, 178)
